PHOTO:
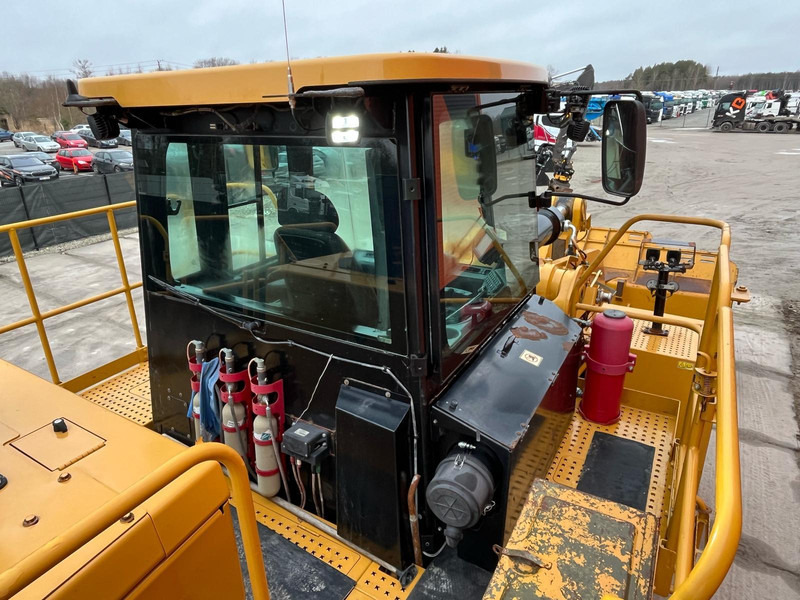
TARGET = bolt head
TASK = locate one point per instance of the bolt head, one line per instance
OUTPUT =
(64, 477)
(127, 518)
(30, 521)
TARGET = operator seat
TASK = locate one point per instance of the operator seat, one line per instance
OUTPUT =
(317, 290)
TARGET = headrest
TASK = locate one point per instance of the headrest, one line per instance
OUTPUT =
(300, 204)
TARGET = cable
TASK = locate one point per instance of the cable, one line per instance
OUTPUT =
(314, 494)
(437, 553)
(321, 496)
(299, 481)
(321, 375)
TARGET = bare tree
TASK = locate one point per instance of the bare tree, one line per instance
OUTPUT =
(214, 61)
(82, 67)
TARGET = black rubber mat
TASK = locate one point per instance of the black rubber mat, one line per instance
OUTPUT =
(292, 573)
(448, 577)
(617, 469)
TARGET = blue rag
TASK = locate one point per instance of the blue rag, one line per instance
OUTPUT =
(209, 412)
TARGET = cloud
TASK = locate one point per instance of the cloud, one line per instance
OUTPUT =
(615, 35)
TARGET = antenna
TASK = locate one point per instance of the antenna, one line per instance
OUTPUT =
(288, 60)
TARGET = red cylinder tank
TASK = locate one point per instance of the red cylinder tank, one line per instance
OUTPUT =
(608, 359)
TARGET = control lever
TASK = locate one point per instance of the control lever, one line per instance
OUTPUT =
(662, 288)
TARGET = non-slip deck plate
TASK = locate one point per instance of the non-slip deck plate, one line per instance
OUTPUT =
(127, 394)
(645, 427)
(617, 469)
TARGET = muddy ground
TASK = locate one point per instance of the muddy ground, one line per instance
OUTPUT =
(750, 180)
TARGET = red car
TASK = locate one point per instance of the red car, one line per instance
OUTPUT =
(72, 159)
(69, 139)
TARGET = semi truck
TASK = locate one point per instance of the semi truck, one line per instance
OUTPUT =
(654, 107)
(738, 110)
(424, 376)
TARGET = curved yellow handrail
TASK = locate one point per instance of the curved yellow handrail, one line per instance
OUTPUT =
(42, 560)
(701, 580)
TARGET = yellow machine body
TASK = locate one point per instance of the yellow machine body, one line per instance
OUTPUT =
(111, 509)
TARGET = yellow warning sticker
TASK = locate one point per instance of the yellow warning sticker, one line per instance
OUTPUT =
(682, 364)
(530, 357)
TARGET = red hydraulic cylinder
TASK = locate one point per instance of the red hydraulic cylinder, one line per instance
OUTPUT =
(608, 359)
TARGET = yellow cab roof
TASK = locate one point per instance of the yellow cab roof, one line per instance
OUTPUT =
(267, 82)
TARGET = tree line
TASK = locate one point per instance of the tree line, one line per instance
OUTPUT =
(693, 75)
(35, 103)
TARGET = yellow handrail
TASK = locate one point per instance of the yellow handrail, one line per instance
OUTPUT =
(37, 316)
(49, 555)
(700, 581)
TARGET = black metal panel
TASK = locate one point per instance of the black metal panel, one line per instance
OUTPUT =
(501, 391)
(516, 400)
(372, 468)
(617, 469)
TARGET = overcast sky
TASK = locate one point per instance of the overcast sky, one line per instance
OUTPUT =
(44, 36)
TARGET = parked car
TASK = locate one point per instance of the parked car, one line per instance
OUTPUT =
(72, 159)
(5, 135)
(113, 162)
(69, 139)
(17, 137)
(81, 127)
(19, 170)
(125, 138)
(88, 136)
(39, 143)
(48, 159)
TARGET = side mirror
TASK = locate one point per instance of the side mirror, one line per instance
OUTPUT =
(479, 144)
(624, 146)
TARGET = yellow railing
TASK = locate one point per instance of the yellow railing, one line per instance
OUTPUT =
(38, 317)
(50, 554)
(699, 581)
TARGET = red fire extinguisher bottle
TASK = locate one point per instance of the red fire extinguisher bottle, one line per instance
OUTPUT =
(608, 359)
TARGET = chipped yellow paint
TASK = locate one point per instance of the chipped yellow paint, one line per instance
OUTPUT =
(588, 547)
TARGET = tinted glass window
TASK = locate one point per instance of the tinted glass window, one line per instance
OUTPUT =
(300, 232)
(485, 267)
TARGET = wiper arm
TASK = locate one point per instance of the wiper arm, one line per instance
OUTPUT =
(228, 316)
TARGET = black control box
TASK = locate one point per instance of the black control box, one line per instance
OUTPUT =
(306, 442)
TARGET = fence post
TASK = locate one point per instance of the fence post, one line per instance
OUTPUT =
(27, 216)
(108, 191)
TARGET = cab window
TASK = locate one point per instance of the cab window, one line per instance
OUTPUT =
(298, 231)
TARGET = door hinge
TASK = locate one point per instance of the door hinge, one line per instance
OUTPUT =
(418, 365)
(411, 190)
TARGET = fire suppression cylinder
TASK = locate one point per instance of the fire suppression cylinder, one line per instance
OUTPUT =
(608, 359)
(196, 366)
(267, 428)
(236, 397)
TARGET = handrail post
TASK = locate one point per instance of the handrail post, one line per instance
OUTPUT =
(34, 304)
(112, 224)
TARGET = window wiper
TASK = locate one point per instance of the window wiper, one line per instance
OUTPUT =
(228, 316)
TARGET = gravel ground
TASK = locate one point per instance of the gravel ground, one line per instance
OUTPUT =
(750, 180)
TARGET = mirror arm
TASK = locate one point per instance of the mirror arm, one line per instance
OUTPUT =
(636, 93)
(593, 198)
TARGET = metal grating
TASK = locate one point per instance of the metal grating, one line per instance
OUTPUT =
(681, 343)
(127, 395)
(643, 426)
(378, 585)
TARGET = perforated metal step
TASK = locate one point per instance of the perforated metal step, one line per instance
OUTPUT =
(650, 428)
(127, 394)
